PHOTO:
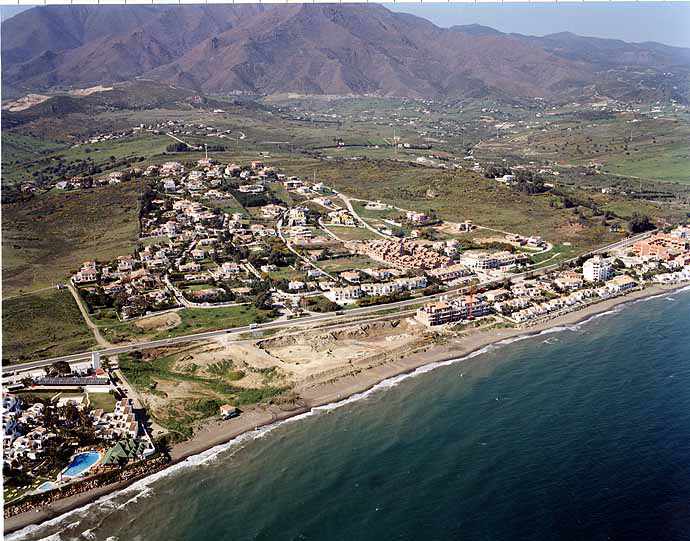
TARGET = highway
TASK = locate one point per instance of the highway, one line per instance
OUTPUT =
(13, 369)
(212, 334)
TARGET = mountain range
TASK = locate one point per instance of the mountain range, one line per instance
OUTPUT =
(323, 49)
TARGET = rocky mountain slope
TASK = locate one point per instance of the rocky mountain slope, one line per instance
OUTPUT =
(323, 49)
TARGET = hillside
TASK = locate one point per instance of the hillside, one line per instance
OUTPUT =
(45, 239)
(323, 49)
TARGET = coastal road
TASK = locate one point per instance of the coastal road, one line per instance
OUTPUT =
(213, 334)
(13, 369)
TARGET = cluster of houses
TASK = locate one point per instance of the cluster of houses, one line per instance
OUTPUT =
(184, 238)
(28, 427)
(350, 293)
(112, 178)
(120, 424)
(23, 435)
(615, 286)
(521, 303)
(137, 283)
(673, 249)
(446, 310)
(191, 246)
(436, 259)
(478, 260)
(664, 258)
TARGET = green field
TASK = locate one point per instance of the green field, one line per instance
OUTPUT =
(287, 273)
(218, 385)
(104, 401)
(356, 262)
(669, 164)
(461, 195)
(229, 205)
(352, 233)
(23, 148)
(193, 320)
(43, 325)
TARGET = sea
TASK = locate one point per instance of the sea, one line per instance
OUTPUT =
(579, 433)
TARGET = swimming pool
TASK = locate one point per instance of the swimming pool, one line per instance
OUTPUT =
(80, 463)
(48, 485)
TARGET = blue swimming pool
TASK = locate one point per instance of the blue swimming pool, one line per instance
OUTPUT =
(48, 485)
(80, 463)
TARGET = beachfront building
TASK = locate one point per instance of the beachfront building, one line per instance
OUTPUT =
(597, 269)
(127, 451)
(620, 284)
(449, 311)
(227, 411)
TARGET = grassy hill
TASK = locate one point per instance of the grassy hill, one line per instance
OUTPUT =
(45, 239)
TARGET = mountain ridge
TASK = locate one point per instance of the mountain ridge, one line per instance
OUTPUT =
(323, 49)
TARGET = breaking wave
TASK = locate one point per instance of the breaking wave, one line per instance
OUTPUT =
(143, 488)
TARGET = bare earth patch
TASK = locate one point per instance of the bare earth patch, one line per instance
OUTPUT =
(25, 102)
(90, 90)
(162, 322)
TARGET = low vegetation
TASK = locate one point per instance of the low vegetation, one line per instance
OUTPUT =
(46, 238)
(42, 325)
(219, 384)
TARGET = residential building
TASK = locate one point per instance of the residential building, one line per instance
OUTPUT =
(451, 272)
(344, 295)
(597, 269)
(450, 311)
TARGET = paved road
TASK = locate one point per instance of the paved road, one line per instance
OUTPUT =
(211, 334)
(293, 323)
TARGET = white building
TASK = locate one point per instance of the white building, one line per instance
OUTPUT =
(597, 269)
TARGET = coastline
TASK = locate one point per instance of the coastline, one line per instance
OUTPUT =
(222, 432)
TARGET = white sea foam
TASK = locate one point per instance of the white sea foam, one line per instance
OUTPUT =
(143, 487)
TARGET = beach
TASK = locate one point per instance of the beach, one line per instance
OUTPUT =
(220, 432)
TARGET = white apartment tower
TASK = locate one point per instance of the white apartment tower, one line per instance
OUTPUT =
(596, 269)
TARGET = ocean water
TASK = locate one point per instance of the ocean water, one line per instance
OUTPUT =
(582, 433)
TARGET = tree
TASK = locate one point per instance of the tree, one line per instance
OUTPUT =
(639, 223)
(263, 301)
(61, 368)
(71, 414)
(177, 147)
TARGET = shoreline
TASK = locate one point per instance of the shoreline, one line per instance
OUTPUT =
(222, 432)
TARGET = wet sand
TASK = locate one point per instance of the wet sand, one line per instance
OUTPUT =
(220, 432)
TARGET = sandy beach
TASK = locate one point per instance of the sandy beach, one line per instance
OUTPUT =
(220, 432)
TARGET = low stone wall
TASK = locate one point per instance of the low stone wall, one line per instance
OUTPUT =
(138, 469)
